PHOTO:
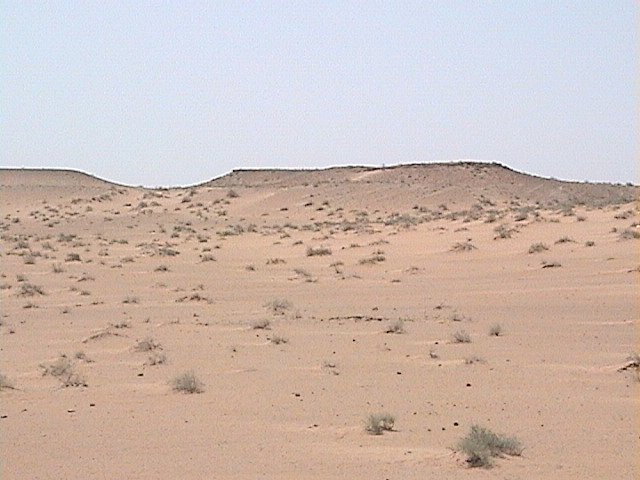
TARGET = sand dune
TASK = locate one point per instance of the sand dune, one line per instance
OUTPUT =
(304, 301)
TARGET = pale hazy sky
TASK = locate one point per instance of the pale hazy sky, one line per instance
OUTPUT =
(168, 93)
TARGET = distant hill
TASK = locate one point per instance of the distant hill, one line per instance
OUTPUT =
(461, 183)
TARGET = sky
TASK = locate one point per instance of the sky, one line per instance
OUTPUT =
(176, 93)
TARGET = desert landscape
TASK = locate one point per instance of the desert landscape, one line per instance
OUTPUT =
(442, 320)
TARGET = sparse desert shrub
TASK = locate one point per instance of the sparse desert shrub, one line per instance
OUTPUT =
(121, 324)
(461, 336)
(64, 370)
(168, 252)
(29, 259)
(262, 324)
(503, 231)
(551, 264)
(275, 261)
(278, 306)
(73, 257)
(481, 445)
(147, 344)
(80, 355)
(458, 317)
(187, 383)
(57, 268)
(376, 257)
(629, 234)
(565, 239)
(29, 290)
(207, 257)
(319, 251)
(633, 364)
(473, 359)
(463, 246)
(6, 383)
(156, 358)
(378, 423)
(278, 340)
(589, 243)
(161, 268)
(495, 330)
(538, 247)
(131, 300)
(232, 194)
(396, 327)
(623, 215)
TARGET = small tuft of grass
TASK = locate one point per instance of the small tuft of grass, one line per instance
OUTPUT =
(482, 445)
(187, 383)
(378, 423)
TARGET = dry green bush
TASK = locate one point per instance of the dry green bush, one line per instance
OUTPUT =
(629, 234)
(187, 383)
(278, 306)
(376, 257)
(565, 239)
(30, 290)
(318, 251)
(378, 423)
(278, 340)
(538, 247)
(396, 327)
(461, 336)
(463, 246)
(73, 257)
(6, 383)
(495, 330)
(262, 324)
(64, 370)
(147, 344)
(482, 445)
(503, 231)
(156, 358)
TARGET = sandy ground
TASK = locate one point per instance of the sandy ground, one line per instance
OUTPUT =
(89, 270)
